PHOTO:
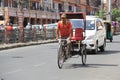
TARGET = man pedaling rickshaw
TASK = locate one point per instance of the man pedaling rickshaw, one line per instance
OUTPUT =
(70, 37)
(64, 31)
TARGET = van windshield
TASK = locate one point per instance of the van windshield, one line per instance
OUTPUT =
(90, 24)
(77, 23)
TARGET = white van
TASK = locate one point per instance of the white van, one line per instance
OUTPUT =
(95, 34)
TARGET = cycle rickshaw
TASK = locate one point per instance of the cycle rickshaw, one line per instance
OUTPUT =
(77, 46)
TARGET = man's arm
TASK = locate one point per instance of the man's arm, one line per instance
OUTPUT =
(57, 32)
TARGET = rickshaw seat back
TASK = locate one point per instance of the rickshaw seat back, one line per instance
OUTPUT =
(77, 34)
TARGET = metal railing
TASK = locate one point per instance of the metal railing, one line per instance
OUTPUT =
(28, 35)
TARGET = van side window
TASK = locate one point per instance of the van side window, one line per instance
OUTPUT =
(98, 24)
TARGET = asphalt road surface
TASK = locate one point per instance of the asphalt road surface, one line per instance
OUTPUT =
(39, 62)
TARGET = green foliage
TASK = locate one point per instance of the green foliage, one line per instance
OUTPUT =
(118, 19)
(115, 15)
(101, 14)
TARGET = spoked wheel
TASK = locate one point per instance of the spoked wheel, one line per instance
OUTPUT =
(61, 57)
(83, 54)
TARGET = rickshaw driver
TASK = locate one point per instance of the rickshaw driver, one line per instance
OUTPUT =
(64, 30)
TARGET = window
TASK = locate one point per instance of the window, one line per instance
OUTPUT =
(90, 24)
(99, 24)
(14, 4)
(77, 23)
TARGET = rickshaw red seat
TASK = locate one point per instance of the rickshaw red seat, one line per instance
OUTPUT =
(77, 34)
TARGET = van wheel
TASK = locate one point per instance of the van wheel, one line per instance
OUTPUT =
(102, 48)
(95, 51)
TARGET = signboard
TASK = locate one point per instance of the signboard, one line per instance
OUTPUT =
(12, 14)
(44, 16)
(26, 14)
(33, 15)
(20, 14)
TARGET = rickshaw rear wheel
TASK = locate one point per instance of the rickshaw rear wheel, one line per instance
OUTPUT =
(83, 54)
(102, 48)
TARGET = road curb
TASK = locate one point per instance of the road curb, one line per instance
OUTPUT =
(16, 45)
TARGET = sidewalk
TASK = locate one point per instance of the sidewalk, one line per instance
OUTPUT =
(15, 45)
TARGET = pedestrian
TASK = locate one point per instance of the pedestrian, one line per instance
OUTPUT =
(8, 27)
(114, 25)
(28, 26)
(8, 31)
(0, 26)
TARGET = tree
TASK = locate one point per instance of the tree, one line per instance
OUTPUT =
(115, 15)
(101, 14)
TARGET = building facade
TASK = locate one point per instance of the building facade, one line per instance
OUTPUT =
(42, 11)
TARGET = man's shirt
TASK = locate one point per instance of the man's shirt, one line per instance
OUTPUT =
(65, 29)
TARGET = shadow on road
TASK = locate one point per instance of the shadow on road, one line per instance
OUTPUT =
(113, 42)
(73, 66)
(107, 52)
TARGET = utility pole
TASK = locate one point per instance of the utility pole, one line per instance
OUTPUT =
(29, 11)
(87, 4)
(102, 8)
(3, 10)
(108, 15)
(20, 19)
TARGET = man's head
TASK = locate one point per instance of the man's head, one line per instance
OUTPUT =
(28, 23)
(7, 23)
(63, 17)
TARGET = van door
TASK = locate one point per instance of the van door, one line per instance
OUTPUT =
(100, 33)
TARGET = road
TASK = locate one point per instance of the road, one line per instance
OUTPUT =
(39, 62)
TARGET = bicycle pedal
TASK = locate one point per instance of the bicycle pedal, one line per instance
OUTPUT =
(76, 56)
(64, 59)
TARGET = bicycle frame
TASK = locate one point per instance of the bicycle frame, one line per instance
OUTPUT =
(63, 43)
